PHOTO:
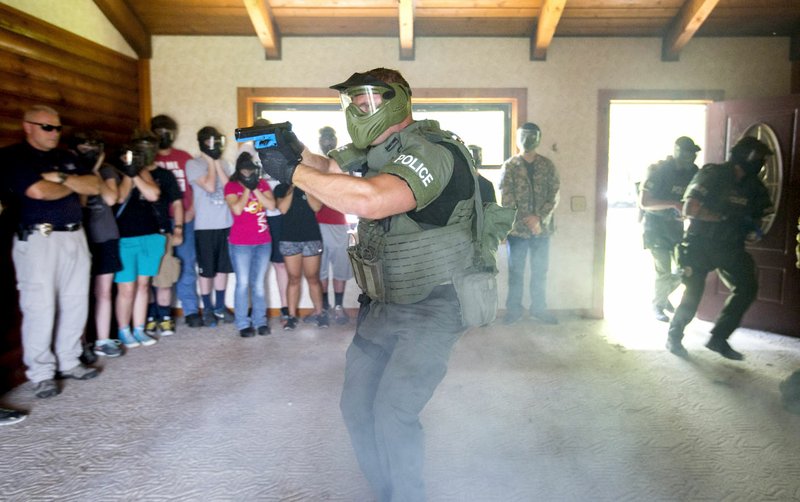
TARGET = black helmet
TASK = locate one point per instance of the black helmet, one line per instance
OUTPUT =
(750, 154)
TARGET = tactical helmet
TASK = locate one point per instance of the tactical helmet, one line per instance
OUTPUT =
(528, 136)
(87, 145)
(145, 144)
(750, 154)
(211, 142)
(164, 127)
(327, 139)
(371, 106)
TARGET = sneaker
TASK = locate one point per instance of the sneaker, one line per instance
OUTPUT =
(126, 338)
(193, 320)
(79, 372)
(8, 417)
(45, 389)
(108, 348)
(224, 315)
(284, 314)
(150, 326)
(676, 347)
(322, 320)
(340, 316)
(511, 317)
(723, 348)
(291, 323)
(166, 326)
(310, 319)
(209, 319)
(545, 317)
(247, 332)
(143, 338)
(264, 330)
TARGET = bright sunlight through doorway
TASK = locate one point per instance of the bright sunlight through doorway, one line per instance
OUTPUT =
(640, 134)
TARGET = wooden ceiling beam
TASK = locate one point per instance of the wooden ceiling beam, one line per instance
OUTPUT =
(266, 29)
(549, 17)
(405, 15)
(125, 20)
(689, 19)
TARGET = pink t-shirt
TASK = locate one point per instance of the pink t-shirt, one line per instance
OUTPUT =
(330, 216)
(249, 228)
(175, 163)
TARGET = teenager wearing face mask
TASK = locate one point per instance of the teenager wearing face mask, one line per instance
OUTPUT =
(208, 173)
(174, 160)
(102, 234)
(249, 244)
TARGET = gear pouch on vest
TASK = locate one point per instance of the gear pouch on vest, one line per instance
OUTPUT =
(477, 294)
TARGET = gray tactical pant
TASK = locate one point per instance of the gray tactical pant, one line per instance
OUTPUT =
(397, 359)
(53, 275)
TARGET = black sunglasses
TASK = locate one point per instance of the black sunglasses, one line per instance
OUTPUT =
(47, 127)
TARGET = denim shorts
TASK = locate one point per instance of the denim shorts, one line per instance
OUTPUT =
(307, 248)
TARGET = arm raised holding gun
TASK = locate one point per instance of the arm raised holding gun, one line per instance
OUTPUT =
(277, 146)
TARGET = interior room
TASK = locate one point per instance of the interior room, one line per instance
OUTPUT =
(593, 408)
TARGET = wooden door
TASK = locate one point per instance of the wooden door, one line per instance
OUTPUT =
(777, 307)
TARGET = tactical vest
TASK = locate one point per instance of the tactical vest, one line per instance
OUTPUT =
(398, 260)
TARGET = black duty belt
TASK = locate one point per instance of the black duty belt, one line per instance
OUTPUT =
(48, 228)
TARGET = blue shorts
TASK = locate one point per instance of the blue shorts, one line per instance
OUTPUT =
(141, 256)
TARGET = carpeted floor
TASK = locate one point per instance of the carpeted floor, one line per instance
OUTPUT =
(586, 410)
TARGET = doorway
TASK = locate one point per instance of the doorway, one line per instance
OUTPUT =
(641, 132)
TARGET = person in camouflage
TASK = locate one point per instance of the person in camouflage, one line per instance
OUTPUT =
(530, 184)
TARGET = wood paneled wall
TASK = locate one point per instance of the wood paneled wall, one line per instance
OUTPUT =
(90, 86)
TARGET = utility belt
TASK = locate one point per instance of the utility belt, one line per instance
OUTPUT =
(46, 229)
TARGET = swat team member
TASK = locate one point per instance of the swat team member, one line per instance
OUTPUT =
(660, 198)
(417, 195)
(725, 204)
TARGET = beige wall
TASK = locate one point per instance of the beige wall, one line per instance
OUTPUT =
(195, 80)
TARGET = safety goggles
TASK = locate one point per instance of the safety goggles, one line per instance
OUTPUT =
(47, 127)
(213, 142)
(366, 98)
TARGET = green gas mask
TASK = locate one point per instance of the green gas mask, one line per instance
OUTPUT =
(372, 109)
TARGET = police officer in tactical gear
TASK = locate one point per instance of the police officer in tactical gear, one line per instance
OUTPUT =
(660, 198)
(415, 205)
(725, 204)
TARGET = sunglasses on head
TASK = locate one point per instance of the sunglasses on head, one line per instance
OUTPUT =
(47, 127)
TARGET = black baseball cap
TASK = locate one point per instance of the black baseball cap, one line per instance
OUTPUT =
(686, 143)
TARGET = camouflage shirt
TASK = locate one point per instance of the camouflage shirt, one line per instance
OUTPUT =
(536, 194)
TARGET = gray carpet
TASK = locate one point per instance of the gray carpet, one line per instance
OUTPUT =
(527, 413)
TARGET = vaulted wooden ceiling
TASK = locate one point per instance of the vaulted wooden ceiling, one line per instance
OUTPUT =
(676, 22)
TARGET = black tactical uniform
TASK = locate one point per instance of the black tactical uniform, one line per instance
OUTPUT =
(733, 194)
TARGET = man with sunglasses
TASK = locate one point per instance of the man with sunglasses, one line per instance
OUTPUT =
(50, 252)
(415, 203)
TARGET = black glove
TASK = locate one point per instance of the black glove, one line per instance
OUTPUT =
(280, 161)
